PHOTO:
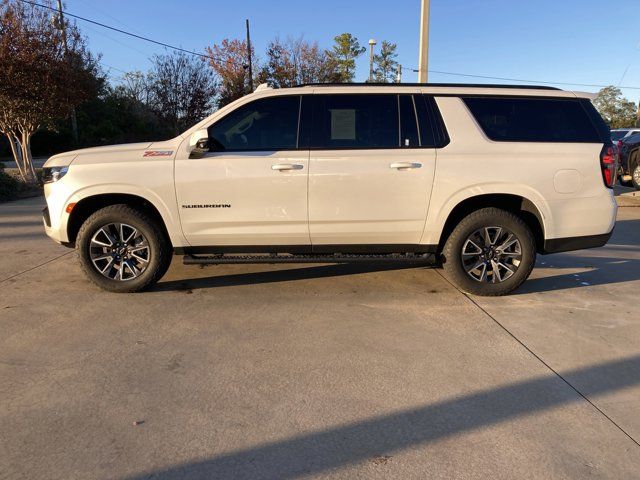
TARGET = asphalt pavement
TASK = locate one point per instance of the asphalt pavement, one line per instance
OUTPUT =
(317, 371)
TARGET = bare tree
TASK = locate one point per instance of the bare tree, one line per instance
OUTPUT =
(183, 89)
(296, 61)
(136, 86)
(40, 80)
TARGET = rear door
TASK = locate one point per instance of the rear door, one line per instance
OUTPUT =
(371, 170)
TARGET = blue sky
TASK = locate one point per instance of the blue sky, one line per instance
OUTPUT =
(581, 41)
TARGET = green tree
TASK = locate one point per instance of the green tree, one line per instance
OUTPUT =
(385, 63)
(617, 111)
(344, 54)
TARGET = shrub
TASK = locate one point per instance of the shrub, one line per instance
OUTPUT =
(9, 186)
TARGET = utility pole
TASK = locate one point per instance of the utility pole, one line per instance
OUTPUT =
(423, 65)
(249, 55)
(372, 43)
(63, 28)
(399, 74)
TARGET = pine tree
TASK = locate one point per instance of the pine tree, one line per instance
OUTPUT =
(344, 54)
(385, 64)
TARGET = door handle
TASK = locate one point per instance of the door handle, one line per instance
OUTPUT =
(405, 165)
(283, 167)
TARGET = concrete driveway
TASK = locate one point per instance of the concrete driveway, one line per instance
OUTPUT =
(317, 371)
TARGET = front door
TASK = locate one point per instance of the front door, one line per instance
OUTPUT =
(251, 188)
(371, 171)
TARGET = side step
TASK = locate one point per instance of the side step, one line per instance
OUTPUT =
(426, 258)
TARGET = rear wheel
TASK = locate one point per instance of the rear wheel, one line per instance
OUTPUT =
(122, 249)
(635, 172)
(490, 252)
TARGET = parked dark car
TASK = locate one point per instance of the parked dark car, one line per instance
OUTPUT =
(630, 160)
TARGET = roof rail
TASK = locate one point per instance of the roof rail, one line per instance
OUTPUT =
(455, 85)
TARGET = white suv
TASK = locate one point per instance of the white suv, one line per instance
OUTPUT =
(475, 178)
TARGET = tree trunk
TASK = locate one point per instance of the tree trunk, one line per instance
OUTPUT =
(26, 157)
(17, 154)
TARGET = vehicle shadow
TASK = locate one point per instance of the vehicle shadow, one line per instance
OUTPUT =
(621, 263)
(368, 439)
(285, 275)
(599, 271)
(616, 268)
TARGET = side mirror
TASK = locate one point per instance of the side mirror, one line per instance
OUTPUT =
(198, 144)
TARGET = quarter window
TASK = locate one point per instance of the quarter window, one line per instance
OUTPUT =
(263, 125)
(533, 119)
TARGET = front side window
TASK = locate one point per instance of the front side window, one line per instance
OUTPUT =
(356, 121)
(267, 124)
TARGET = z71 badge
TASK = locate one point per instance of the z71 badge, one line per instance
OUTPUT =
(158, 153)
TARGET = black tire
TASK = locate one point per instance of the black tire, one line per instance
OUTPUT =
(158, 253)
(634, 171)
(500, 223)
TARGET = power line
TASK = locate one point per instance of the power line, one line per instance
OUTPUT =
(522, 80)
(202, 55)
(124, 32)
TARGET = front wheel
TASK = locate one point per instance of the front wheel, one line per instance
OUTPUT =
(122, 249)
(491, 252)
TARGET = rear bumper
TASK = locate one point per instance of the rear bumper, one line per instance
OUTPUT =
(557, 245)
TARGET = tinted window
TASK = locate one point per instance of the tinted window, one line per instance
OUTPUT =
(266, 124)
(615, 136)
(533, 119)
(356, 121)
(425, 121)
(408, 127)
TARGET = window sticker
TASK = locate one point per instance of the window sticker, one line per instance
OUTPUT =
(343, 124)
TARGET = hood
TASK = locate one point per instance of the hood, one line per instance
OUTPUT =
(66, 158)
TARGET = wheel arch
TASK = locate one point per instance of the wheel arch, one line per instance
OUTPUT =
(517, 204)
(85, 207)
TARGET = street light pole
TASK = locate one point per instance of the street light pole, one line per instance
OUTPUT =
(249, 54)
(372, 43)
(63, 28)
(423, 65)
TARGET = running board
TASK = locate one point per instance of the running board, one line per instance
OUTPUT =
(426, 258)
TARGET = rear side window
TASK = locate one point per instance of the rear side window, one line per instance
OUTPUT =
(263, 125)
(356, 121)
(533, 119)
(615, 136)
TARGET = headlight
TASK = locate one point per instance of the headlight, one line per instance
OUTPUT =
(53, 174)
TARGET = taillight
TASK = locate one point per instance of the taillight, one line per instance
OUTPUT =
(609, 165)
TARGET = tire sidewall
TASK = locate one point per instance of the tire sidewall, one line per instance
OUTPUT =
(488, 218)
(104, 217)
(635, 169)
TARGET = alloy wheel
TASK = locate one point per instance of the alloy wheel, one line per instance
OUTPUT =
(119, 251)
(491, 254)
